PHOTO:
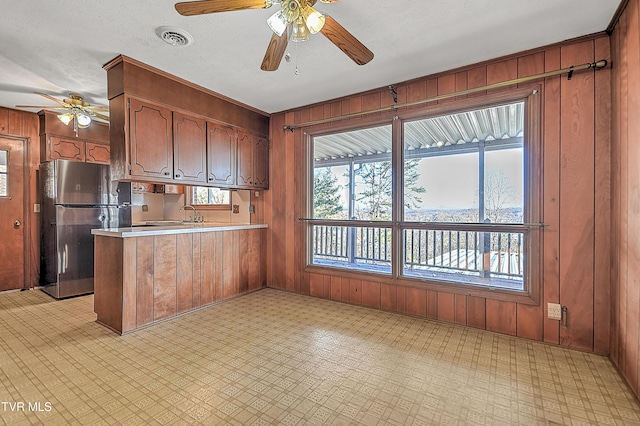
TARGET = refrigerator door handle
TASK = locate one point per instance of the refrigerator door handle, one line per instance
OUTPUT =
(66, 257)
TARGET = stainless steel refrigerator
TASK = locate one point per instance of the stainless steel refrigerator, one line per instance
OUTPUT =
(76, 198)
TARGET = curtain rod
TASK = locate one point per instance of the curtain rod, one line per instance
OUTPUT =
(394, 107)
(471, 226)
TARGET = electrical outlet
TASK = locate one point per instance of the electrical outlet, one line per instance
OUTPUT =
(36, 208)
(236, 208)
(554, 311)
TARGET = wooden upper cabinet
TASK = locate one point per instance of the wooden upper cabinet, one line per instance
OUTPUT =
(221, 155)
(150, 140)
(64, 149)
(59, 148)
(97, 153)
(189, 148)
(245, 159)
(253, 161)
(261, 163)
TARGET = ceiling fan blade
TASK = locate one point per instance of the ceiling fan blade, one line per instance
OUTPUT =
(98, 108)
(202, 7)
(40, 106)
(345, 41)
(101, 116)
(275, 52)
(58, 101)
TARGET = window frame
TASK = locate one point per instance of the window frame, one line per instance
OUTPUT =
(192, 194)
(533, 182)
(6, 174)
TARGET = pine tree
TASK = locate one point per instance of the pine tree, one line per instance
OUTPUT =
(376, 178)
(326, 198)
(411, 187)
(377, 194)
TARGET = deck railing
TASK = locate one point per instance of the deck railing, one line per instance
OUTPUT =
(425, 251)
(489, 254)
(363, 245)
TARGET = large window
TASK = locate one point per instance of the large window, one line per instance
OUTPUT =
(352, 181)
(459, 212)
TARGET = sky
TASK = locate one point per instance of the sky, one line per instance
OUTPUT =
(452, 181)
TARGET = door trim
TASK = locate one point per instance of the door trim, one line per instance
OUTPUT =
(26, 202)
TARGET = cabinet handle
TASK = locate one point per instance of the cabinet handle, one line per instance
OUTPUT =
(167, 173)
(210, 178)
(177, 176)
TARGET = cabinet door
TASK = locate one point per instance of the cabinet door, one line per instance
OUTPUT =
(64, 149)
(221, 155)
(150, 140)
(245, 159)
(261, 163)
(97, 153)
(189, 148)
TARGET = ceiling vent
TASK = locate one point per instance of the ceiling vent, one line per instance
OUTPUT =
(174, 36)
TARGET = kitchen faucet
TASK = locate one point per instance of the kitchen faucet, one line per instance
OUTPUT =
(196, 216)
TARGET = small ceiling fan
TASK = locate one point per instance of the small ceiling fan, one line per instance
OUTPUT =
(296, 18)
(77, 110)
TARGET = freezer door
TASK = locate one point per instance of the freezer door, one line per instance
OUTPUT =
(75, 183)
(74, 247)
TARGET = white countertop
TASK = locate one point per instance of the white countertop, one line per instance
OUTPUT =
(144, 231)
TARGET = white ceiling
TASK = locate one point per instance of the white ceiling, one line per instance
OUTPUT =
(59, 46)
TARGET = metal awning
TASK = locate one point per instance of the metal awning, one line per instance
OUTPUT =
(496, 126)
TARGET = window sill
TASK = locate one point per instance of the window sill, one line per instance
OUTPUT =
(453, 287)
(212, 207)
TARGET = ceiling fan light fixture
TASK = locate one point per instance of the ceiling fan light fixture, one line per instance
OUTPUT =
(300, 31)
(83, 120)
(313, 19)
(66, 118)
(278, 23)
(290, 10)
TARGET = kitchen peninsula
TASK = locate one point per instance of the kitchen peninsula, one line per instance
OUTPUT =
(148, 274)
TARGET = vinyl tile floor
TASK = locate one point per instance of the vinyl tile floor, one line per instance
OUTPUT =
(273, 357)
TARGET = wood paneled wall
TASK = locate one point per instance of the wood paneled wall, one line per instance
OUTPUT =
(25, 125)
(625, 197)
(142, 280)
(576, 138)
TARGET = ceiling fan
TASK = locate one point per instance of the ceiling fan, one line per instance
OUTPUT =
(77, 110)
(296, 18)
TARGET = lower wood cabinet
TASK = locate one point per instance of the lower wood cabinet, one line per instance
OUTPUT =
(141, 280)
